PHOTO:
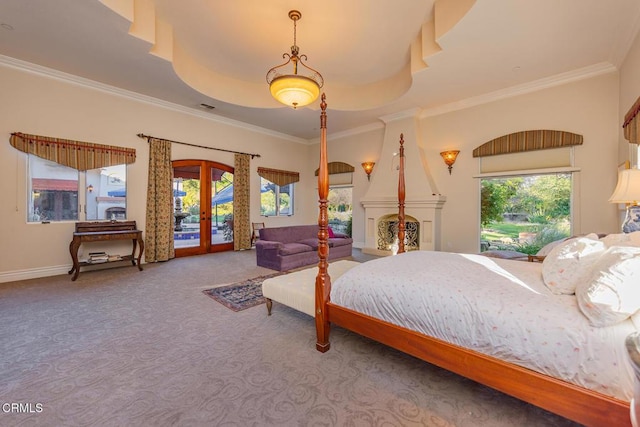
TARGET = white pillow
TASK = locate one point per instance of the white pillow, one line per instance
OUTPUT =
(570, 263)
(546, 249)
(622, 239)
(613, 293)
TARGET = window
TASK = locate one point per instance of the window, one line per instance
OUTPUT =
(275, 200)
(340, 208)
(106, 196)
(525, 212)
(54, 192)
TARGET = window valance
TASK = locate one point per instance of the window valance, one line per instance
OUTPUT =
(74, 154)
(527, 140)
(338, 167)
(279, 177)
(631, 125)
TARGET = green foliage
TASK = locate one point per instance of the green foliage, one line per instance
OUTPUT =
(545, 198)
(494, 197)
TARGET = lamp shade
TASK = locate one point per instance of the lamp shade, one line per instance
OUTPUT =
(628, 187)
(294, 90)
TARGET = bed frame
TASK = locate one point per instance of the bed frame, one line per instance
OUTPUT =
(568, 400)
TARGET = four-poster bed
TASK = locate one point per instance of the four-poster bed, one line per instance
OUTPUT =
(567, 399)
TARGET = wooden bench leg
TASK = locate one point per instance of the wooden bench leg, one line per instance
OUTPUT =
(269, 305)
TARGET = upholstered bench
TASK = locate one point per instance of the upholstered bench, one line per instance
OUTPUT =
(298, 289)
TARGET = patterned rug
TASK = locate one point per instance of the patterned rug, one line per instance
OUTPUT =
(242, 295)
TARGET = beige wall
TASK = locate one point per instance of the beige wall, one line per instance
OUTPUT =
(587, 107)
(41, 105)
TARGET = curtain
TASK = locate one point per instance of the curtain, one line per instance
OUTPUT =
(74, 154)
(279, 177)
(528, 140)
(159, 229)
(241, 217)
(631, 124)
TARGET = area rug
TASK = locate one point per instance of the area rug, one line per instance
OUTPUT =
(242, 295)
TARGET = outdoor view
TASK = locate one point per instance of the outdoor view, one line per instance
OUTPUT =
(525, 213)
(340, 208)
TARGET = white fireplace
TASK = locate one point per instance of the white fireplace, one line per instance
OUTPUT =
(423, 203)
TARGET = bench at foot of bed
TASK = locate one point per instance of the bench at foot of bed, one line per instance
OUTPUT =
(297, 289)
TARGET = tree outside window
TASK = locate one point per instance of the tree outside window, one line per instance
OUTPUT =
(275, 200)
(524, 213)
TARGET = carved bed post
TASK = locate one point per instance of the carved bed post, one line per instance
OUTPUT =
(323, 281)
(401, 195)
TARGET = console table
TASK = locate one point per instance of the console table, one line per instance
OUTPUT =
(104, 231)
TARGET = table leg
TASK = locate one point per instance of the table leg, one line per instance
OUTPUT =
(137, 241)
(73, 250)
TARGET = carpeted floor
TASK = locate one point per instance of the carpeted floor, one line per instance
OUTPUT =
(121, 347)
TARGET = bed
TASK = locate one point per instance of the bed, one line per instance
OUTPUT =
(476, 341)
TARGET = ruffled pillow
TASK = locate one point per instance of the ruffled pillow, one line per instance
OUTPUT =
(613, 293)
(570, 263)
(622, 239)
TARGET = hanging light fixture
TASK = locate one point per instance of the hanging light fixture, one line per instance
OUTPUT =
(295, 90)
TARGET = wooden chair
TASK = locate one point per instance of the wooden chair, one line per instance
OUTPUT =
(255, 233)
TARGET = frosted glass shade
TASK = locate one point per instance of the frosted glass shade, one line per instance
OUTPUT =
(294, 90)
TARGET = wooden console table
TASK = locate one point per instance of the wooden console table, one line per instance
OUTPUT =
(104, 231)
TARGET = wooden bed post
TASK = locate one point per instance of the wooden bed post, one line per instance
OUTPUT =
(323, 281)
(401, 196)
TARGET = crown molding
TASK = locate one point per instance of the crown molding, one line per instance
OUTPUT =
(510, 92)
(39, 70)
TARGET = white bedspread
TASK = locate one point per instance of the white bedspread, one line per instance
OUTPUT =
(497, 307)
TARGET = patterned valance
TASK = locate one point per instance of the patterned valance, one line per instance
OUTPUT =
(528, 140)
(279, 177)
(338, 167)
(74, 154)
(631, 124)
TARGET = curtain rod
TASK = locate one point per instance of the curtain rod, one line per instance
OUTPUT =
(141, 135)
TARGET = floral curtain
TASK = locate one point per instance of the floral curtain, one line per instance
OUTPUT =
(159, 243)
(241, 187)
(74, 154)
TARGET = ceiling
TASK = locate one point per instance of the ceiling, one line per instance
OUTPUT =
(377, 58)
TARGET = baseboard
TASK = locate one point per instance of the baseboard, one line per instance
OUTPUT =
(33, 273)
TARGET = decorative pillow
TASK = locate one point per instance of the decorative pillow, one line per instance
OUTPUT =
(546, 249)
(331, 233)
(570, 262)
(622, 239)
(613, 293)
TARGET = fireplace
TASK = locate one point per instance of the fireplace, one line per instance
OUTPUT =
(388, 233)
(423, 203)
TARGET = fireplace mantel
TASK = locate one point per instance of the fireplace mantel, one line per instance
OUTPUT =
(427, 212)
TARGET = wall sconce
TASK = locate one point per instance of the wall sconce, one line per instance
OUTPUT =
(90, 188)
(368, 168)
(628, 191)
(450, 158)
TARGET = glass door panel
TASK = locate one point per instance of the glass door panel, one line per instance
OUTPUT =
(203, 207)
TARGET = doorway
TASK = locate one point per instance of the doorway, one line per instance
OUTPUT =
(203, 202)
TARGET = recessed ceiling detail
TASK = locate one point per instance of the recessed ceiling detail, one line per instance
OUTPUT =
(223, 49)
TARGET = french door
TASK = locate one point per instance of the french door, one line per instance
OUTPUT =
(203, 207)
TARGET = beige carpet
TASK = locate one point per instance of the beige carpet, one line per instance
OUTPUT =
(121, 347)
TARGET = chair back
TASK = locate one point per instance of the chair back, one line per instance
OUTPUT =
(255, 231)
